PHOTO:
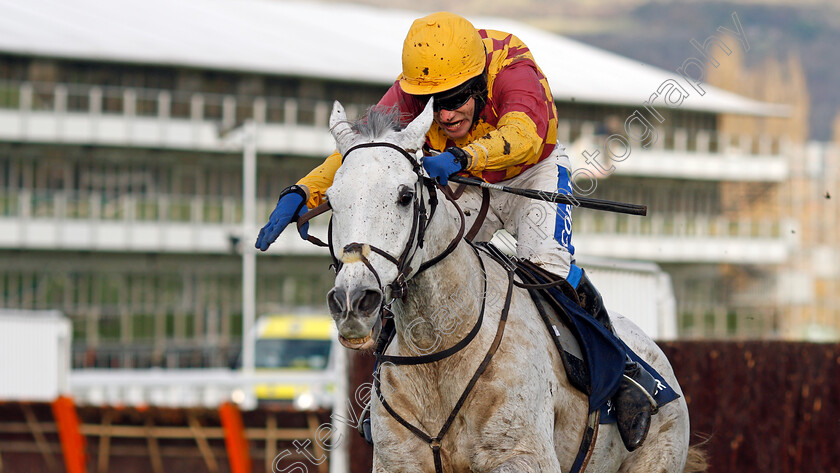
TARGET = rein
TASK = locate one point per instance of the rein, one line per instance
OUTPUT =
(437, 356)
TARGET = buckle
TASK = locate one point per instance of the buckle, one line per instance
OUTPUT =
(399, 288)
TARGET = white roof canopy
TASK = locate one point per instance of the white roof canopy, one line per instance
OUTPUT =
(333, 41)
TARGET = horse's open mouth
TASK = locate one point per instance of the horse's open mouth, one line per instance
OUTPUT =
(363, 343)
(366, 342)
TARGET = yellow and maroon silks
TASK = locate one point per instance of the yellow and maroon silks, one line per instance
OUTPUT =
(517, 128)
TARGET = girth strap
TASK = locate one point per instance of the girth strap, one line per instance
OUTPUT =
(553, 280)
(579, 379)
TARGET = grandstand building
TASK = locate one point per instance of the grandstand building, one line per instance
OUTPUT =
(121, 183)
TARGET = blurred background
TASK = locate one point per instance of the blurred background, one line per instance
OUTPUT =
(144, 143)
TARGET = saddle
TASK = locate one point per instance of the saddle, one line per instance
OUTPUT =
(593, 357)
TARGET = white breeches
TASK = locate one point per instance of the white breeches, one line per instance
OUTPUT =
(543, 230)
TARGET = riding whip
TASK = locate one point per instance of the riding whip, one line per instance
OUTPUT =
(585, 202)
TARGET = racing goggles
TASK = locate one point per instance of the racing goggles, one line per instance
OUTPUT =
(452, 101)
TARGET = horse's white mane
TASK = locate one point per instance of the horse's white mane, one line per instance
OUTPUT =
(378, 123)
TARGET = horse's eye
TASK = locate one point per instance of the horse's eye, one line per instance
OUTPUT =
(406, 196)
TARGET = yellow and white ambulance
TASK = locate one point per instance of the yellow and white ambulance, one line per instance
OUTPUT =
(302, 348)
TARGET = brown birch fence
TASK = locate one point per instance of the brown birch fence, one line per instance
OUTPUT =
(769, 407)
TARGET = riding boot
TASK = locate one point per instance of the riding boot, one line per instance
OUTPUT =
(592, 303)
(634, 403)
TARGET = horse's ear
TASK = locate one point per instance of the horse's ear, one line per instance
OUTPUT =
(340, 128)
(414, 135)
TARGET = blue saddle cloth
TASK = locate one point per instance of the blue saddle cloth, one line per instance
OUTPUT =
(604, 356)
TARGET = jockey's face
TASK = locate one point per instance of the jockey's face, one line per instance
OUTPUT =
(456, 123)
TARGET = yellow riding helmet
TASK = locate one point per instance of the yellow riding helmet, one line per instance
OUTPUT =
(440, 52)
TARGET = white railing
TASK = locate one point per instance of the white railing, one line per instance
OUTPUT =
(84, 114)
(209, 388)
(685, 239)
(676, 225)
(188, 388)
(148, 117)
(165, 223)
(40, 204)
(165, 104)
(681, 140)
(228, 210)
(64, 205)
(679, 153)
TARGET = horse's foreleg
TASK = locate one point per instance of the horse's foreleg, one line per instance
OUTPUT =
(522, 464)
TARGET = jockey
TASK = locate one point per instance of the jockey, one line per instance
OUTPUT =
(495, 119)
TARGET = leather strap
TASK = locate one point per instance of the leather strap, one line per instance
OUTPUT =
(553, 280)
(452, 244)
(434, 442)
(437, 356)
(309, 216)
(482, 214)
(587, 443)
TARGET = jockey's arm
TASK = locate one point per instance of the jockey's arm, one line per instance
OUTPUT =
(520, 134)
(316, 183)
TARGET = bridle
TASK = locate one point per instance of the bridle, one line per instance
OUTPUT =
(421, 219)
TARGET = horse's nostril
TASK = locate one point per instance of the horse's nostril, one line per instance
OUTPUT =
(370, 301)
(335, 300)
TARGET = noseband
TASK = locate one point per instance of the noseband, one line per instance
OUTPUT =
(353, 252)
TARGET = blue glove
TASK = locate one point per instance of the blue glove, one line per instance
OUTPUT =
(445, 164)
(290, 206)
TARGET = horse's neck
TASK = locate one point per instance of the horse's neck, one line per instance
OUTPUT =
(444, 301)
